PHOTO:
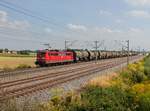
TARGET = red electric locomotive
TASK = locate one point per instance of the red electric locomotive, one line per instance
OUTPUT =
(50, 57)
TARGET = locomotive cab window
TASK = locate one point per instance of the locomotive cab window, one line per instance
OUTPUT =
(41, 54)
(68, 54)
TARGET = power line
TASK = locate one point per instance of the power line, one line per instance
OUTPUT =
(68, 44)
(24, 9)
(19, 11)
(47, 45)
(26, 12)
(29, 13)
(96, 49)
(22, 12)
(128, 46)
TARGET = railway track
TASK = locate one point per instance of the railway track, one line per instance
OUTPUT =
(26, 86)
(46, 72)
(45, 76)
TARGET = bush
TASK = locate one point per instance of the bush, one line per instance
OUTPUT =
(126, 77)
(138, 88)
(144, 102)
(147, 71)
(105, 99)
(147, 67)
(93, 98)
(138, 77)
(131, 78)
(23, 66)
(132, 67)
(137, 72)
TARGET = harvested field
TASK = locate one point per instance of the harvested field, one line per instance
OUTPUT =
(16, 55)
(13, 62)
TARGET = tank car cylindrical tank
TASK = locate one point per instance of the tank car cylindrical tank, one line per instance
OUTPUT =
(103, 54)
(85, 55)
(115, 54)
(81, 55)
(108, 54)
(92, 55)
(118, 54)
(78, 55)
(97, 54)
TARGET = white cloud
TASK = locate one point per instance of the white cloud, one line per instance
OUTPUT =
(104, 29)
(20, 24)
(119, 21)
(48, 30)
(6, 23)
(138, 2)
(77, 27)
(107, 30)
(103, 12)
(3, 16)
(139, 13)
(135, 30)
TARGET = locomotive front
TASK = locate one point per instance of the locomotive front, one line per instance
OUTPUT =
(41, 57)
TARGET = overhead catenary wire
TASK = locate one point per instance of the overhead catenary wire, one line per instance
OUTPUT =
(22, 12)
(26, 12)
(29, 13)
(24, 9)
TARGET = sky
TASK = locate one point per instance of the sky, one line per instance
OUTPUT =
(29, 24)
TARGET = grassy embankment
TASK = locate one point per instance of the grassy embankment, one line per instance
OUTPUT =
(13, 61)
(129, 90)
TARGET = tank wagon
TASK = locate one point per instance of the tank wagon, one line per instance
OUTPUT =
(80, 55)
(53, 57)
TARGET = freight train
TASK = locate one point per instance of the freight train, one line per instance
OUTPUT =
(53, 57)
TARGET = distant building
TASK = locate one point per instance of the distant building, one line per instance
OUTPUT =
(6, 51)
(13, 52)
(1, 50)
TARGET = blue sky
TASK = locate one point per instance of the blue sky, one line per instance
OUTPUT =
(83, 21)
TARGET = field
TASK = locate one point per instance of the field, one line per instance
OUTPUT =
(13, 62)
(17, 55)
